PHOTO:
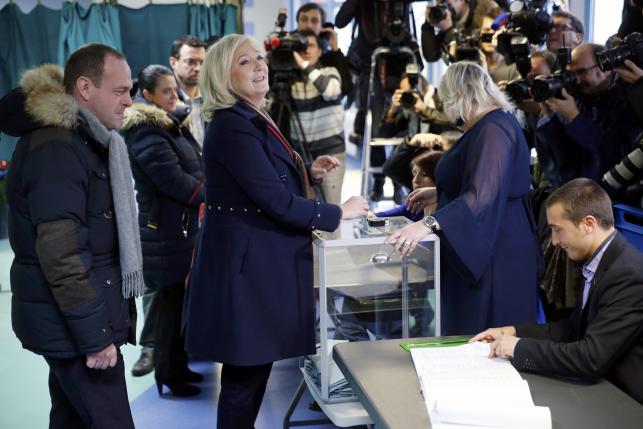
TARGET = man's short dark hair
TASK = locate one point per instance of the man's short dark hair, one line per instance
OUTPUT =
(575, 23)
(188, 40)
(311, 6)
(88, 61)
(583, 197)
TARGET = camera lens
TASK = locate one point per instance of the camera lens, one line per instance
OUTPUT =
(612, 58)
(518, 90)
(407, 100)
(551, 86)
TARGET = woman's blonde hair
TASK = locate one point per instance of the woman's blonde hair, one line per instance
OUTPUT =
(466, 90)
(215, 80)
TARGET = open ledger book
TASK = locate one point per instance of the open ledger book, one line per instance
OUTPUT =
(464, 388)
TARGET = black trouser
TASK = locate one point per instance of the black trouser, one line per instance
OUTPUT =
(151, 314)
(170, 359)
(242, 389)
(87, 398)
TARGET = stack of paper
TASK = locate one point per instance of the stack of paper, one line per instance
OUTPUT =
(464, 388)
(338, 388)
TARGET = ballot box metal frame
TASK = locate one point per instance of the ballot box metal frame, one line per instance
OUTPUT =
(353, 234)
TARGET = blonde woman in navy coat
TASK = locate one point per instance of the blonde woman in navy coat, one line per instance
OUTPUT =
(250, 299)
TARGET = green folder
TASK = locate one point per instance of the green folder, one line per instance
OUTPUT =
(437, 342)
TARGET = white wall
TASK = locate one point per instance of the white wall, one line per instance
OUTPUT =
(260, 15)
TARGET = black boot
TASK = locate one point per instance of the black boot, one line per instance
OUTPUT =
(177, 388)
(190, 376)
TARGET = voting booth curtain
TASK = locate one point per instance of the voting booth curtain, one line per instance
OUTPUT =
(144, 35)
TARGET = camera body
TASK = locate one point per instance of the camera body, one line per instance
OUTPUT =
(281, 45)
(545, 87)
(629, 48)
(520, 89)
(552, 86)
(528, 23)
(468, 47)
(407, 100)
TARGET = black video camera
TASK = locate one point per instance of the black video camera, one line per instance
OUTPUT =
(629, 48)
(468, 47)
(282, 44)
(528, 23)
(546, 87)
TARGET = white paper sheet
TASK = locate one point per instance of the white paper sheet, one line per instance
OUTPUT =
(464, 388)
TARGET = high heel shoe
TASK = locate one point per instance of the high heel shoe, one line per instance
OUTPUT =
(190, 376)
(177, 388)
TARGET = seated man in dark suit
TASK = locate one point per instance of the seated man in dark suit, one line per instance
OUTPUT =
(603, 337)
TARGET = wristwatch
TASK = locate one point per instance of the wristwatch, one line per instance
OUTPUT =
(431, 223)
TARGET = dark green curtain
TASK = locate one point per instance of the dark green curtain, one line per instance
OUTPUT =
(204, 21)
(26, 40)
(97, 24)
(228, 14)
(143, 35)
(208, 21)
(147, 34)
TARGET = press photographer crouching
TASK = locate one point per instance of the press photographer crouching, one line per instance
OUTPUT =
(589, 134)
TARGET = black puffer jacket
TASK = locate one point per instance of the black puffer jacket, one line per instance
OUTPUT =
(167, 167)
(65, 277)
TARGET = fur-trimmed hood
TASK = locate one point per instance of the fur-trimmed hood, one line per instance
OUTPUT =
(39, 101)
(143, 113)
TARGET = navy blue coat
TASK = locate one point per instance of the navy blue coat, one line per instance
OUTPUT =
(250, 300)
(167, 167)
(489, 247)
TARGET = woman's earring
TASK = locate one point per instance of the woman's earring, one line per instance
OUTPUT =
(459, 121)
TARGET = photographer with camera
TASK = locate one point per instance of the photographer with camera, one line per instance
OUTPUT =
(311, 16)
(566, 31)
(317, 104)
(590, 134)
(449, 17)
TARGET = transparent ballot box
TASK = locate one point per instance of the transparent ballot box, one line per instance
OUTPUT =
(366, 292)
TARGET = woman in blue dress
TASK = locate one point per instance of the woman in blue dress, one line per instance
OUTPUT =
(489, 248)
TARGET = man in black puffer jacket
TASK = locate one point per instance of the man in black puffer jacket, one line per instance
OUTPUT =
(77, 264)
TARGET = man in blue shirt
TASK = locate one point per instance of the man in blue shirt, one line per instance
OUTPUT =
(603, 337)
